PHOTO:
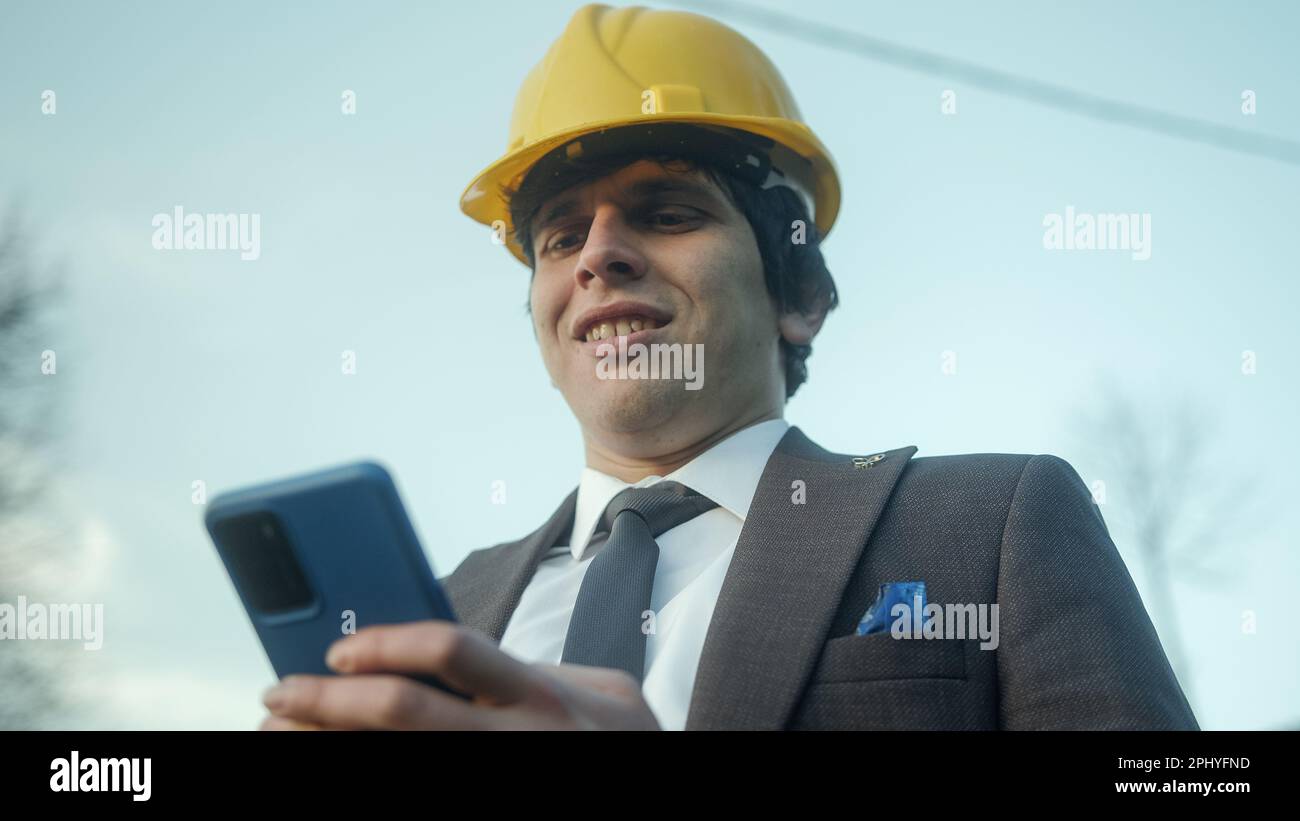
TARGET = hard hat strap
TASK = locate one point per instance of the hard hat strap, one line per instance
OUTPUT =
(744, 154)
(741, 153)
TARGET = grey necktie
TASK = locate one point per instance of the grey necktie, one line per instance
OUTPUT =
(606, 627)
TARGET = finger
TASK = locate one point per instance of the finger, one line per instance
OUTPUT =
(356, 702)
(274, 722)
(609, 698)
(462, 657)
(618, 683)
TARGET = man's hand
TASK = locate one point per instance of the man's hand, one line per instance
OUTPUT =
(507, 694)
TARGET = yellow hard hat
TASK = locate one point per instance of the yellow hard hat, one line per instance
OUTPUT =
(616, 68)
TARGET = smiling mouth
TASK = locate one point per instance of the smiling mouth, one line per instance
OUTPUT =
(620, 326)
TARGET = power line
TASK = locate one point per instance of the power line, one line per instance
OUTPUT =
(1007, 84)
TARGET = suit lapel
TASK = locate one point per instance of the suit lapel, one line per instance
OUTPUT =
(783, 587)
(787, 576)
(485, 589)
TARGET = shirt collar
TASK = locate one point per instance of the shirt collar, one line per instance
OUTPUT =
(727, 473)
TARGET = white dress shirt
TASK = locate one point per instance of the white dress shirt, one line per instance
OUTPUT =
(693, 561)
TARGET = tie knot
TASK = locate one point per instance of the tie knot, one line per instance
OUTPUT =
(663, 506)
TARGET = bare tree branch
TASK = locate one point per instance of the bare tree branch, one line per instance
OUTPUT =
(1167, 485)
(30, 677)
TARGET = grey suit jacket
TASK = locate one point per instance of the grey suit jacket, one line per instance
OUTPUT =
(1076, 647)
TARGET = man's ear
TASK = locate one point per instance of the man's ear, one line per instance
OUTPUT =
(799, 328)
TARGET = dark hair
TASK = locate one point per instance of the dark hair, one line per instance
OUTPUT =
(795, 273)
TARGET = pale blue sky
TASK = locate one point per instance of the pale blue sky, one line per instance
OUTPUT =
(195, 365)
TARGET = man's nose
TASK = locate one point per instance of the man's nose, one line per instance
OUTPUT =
(610, 252)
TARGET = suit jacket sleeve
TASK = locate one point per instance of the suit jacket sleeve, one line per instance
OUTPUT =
(1077, 649)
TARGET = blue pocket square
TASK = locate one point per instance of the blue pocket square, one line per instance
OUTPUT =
(877, 618)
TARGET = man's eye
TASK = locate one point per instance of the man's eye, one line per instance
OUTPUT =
(662, 218)
(671, 219)
(558, 240)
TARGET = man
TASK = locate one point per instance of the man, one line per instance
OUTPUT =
(712, 567)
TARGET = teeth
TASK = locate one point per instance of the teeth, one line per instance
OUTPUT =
(620, 326)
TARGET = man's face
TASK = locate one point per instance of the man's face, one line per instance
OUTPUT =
(667, 246)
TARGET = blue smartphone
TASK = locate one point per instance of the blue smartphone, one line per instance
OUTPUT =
(318, 556)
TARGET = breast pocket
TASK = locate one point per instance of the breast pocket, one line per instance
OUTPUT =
(881, 657)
